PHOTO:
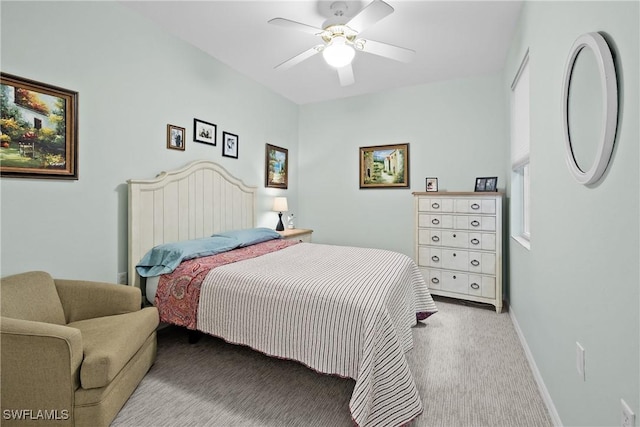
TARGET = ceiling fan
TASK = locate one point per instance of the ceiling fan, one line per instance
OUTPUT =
(340, 39)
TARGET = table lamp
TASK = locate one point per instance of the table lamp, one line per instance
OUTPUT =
(280, 205)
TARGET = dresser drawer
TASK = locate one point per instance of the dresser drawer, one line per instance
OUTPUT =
(485, 241)
(435, 221)
(483, 286)
(429, 257)
(463, 260)
(427, 236)
(475, 206)
(461, 239)
(435, 205)
(456, 239)
(455, 260)
(473, 222)
(454, 282)
(432, 277)
(481, 262)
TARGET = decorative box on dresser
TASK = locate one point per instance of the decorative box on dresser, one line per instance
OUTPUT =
(459, 244)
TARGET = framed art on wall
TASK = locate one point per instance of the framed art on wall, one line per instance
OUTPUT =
(384, 166)
(204, 132)
(39, 124)
(276, 167)
(230, 145)
(175, 137)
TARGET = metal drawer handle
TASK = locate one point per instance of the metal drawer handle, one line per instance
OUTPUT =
(435, 221)
(435, 238)
(475, 206)
(435, 205)
(435, 258)
(454, 277)
(475, 286)
(435, 280)
(475, 262)
(454, 235)
(475, 223)
(454, 254)
(475, 241)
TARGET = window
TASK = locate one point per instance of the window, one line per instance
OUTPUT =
(520, 164)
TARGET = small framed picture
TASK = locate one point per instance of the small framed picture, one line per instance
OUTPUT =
(487, 183)
(229, 145)
(432, 184)
(175, 137)
(204, 132)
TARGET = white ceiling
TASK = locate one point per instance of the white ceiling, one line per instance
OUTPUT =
(452, 39)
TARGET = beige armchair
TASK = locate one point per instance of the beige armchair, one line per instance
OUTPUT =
(72, 352)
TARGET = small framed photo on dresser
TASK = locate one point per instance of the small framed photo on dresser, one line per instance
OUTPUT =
(487, 184)
(432, 184)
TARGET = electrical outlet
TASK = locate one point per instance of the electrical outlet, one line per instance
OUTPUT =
(122, 278)
(580, 361)
(628, 417)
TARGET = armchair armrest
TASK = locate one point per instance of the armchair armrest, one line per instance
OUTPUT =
(83, 299)
(40, 364)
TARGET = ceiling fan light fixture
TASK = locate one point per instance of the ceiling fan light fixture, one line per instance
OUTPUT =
(338, 53)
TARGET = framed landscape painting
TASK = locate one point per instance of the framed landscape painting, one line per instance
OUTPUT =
(384, 166)
(39, 124)
(276, 167)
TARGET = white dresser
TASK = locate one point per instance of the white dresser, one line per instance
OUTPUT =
(459, 244)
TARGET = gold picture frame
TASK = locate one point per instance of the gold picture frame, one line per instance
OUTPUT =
(384, 166)
(39, 124)
(276, 167)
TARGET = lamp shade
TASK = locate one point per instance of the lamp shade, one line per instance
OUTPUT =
(280, 204)
(338, 53)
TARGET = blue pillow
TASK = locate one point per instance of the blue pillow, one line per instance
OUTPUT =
(251, 236)
(165, 258)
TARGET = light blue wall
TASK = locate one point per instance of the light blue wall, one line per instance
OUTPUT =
(580, 280)
(456, 129)
(133, 79)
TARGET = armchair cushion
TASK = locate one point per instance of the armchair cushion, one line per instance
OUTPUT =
(82, 299)
(110, 342)
(31, 296)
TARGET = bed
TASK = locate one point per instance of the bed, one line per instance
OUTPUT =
(339, 310)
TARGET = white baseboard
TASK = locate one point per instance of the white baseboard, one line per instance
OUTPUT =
(546, 397)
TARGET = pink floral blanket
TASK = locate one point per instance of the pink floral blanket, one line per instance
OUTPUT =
(178, 293)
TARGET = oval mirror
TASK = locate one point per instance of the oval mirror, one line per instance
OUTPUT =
(590, 108)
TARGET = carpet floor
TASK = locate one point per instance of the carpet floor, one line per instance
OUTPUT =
(467, 362)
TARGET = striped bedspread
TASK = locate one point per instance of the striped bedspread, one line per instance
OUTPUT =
(339, 310)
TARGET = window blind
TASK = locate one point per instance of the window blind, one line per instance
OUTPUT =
(520, 115)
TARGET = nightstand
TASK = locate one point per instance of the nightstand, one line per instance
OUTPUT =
(300, 234)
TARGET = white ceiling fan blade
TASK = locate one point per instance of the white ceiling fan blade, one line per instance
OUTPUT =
(287, 23)
(346, 75)
(401, 54)
(372, 13)
(299, 57)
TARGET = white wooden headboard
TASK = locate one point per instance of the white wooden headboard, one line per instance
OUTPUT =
(195, 201)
